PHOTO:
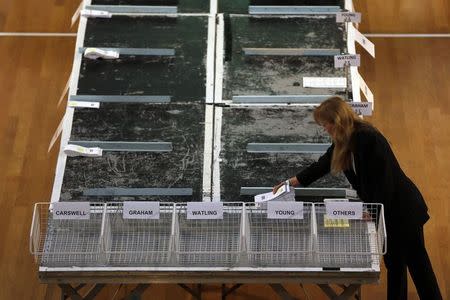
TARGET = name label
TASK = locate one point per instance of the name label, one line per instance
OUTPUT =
(362, 108)
(343, 210)
(90, 13)
(71, 211)
(354, 17)
(75, 150)
(341, 61)
(140, 210)
(284, 210)
(204, 210)
(84, 104)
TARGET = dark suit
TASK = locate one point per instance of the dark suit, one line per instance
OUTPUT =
(379, 179)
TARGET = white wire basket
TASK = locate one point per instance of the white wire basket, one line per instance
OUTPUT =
(138, 242)
(209, 243)
(279, 242)
(243, 237)
(356, 243)
(56, 243)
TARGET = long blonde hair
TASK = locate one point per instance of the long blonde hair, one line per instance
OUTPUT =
(337, 112)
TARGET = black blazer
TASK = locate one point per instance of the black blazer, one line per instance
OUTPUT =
(378, 179)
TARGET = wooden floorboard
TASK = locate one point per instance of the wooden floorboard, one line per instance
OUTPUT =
(404, 16)
(37, 16)
(31, 84)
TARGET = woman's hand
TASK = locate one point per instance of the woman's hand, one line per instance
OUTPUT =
(366, 216)
(275, 188)
(293, 181)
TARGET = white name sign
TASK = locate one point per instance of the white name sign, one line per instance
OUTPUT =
(71, 211)
(354, 17)
(204, 210)
(84, 104)
(325, 82)
(346, 60)
(90, 13)
(284, 210)
(343, 210)
(140, 210)
(362, 108)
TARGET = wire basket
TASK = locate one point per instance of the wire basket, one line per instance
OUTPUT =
(350, 243)
(209, 243)
(279, 242)
(66, 243)
(138, 242)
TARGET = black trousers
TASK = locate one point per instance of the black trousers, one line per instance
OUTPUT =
(407, 251)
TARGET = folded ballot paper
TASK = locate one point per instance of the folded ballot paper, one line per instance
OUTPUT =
(328, 222)
(75, 150)
(284, 193)
(95, 53)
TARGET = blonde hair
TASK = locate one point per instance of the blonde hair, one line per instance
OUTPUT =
(337, 112)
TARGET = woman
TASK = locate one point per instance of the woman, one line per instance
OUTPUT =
(364, 155)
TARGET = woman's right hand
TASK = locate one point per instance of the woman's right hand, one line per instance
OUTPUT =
(293, 181)
(275, 188)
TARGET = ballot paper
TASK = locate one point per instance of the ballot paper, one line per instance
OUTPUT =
(284, 193)
(327, 222)
(75, 150)
(334, 223)
(95, 53)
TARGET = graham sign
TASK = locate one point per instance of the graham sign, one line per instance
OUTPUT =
(140, 210)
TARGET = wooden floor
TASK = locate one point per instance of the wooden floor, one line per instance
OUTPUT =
(410, 79)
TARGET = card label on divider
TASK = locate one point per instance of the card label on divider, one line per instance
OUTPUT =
(346, 60)
(284, 210)
(362, 108)
(90, 13)
(76, 150)
(71, 211)
(354, 17)
(141, 210)
(84, 104)
(343, 210)
(204, 210)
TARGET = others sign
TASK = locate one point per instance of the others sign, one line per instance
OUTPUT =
(343, 210)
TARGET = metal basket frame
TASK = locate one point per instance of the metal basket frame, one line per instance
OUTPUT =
(138, 242)
(67, 242)
(175, 241)
(217, 242)
(276, 242)
(359, 244)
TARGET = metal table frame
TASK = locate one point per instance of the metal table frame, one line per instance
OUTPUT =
(70, 280)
